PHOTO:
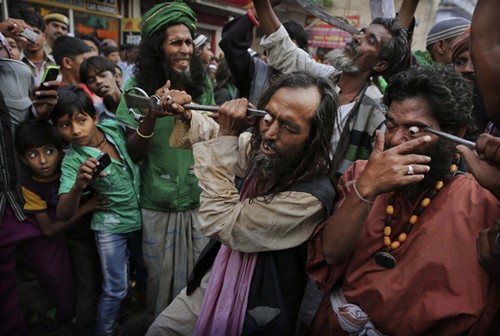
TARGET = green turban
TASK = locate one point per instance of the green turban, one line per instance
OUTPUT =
(167, 14)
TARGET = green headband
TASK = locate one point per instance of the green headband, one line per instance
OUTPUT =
(166, 14)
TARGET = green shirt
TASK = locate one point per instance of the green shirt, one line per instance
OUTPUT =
(121, 185)
(168, 182)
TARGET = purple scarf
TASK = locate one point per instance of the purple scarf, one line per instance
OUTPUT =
(225, 302)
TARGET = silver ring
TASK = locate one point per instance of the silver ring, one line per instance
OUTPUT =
(167, 98)
(166, 90)
(410, 170)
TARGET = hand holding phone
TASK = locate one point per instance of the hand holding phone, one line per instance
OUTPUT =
(104, 160)
(29, 34)
(50, 74)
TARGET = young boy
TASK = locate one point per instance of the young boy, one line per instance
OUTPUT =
(98, 73)
(42, 154)
(76, 120)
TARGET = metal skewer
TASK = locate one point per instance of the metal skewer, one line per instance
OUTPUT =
(451, 137)
(212, 108)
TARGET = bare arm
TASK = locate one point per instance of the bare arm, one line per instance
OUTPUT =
(269, 22)
(484, 162)
(139, 140)
(407, 12)
(384, 172)
(50, 228)
(485, 52)
(69, 203)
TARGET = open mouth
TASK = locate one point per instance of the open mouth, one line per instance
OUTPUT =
(267, 149)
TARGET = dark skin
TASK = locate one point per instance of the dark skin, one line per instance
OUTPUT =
(484, 161)
(351, 83)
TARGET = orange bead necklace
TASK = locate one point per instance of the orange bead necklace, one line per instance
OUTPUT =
(384, 258)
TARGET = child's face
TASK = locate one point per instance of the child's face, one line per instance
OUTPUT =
(80, 130)
(102, 84)
(43, 161)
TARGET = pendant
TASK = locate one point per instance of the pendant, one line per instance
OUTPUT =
(385, 260)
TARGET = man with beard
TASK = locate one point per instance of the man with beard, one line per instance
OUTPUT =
(379, 49)
(398, 256)
(260, 228)
(170, 194)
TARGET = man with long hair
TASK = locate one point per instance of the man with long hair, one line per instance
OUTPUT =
(405, 225)
(169, 190)
(263, 193)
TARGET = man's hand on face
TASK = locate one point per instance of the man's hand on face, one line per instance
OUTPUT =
(46, 99)
(388, 170)
(232, 117)
(484, 162)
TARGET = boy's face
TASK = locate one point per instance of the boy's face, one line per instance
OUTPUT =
(43, 161)
(81, 130)
(101, 83)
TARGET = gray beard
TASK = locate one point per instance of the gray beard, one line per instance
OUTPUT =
(341, 62)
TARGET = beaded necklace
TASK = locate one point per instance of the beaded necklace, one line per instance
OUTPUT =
(384, 258)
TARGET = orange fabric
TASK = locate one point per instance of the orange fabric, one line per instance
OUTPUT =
(437, 285)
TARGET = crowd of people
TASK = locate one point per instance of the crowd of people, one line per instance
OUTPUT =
(337, 210)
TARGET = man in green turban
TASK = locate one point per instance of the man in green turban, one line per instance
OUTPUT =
(172, 240)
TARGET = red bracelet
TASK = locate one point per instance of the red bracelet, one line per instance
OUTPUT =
(253, 18)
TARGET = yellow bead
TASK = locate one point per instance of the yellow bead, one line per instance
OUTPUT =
(402, 237)
(453, 168)
(392, 193)
(389, 210)
(439, 185)
(395, 245)
(387, 231)
(387, 241)
(413, 219)
(425, 202)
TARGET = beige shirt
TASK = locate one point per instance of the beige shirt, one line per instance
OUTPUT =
(255, 225)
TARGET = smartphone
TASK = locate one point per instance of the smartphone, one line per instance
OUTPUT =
(29, 34)
(104, 161)
(50, 74)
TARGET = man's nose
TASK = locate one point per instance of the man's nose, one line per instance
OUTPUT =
(272, 131)
(399, 137)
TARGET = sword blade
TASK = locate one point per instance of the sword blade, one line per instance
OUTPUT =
(324, 16)
(213, 108)
(136, 101)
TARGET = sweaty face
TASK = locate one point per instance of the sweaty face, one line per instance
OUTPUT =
(79, 130)
(178, 47)
(405, 120)
(365, 47)
(43, 161)
(102, 84)
(285, 130)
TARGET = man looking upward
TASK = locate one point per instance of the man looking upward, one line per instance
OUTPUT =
(378, 49)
